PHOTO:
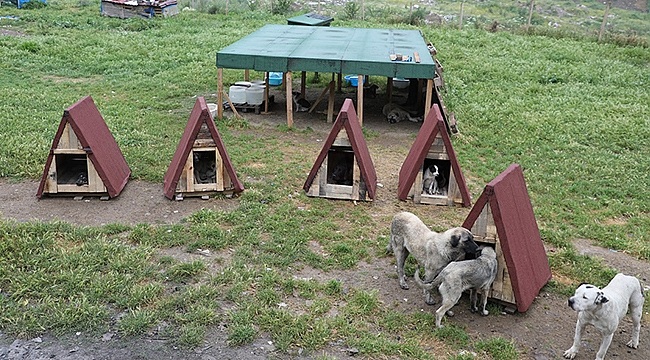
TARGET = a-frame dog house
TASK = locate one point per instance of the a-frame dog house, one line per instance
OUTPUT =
(201, 165)
(503, 217)
(85, 158)
(343, 168)
(432, 149)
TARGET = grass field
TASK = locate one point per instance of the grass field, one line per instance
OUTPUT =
(573, 112)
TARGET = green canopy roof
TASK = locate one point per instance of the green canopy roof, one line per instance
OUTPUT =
(330, 49)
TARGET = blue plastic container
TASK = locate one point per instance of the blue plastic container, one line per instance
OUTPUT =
(353, 80)
(275, 78)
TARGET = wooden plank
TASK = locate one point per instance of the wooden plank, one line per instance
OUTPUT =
(200, 143)
(433, 200)
(429, 96)
(73, 188)
(68, 152)
(318, 100)
(322, 180)
(220, 92)
(205, 187)
(360, 99)
(95, 182)
(437, 156)
(356, 175)
(417, 187)
(453, 191)
(50, 184)
(219, 169)
(64, 141)
(74, 141)
(189, 172)
(416, 56)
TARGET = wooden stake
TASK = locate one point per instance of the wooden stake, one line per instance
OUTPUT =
(460, 21)
(602, 26)
(232, 106)
(530, 13)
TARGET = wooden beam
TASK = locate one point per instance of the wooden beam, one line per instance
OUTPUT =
(266, 93)
(303, 84)
(318, 100)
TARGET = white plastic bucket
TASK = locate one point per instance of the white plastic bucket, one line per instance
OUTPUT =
(213, 109)
(255, 95)
(237, 94)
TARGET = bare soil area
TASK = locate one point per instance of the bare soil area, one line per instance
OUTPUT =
(543, 332)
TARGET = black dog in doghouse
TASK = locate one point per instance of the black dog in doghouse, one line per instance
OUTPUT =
(72, 169)
(205, 167)
(340, 165)
(435, 177)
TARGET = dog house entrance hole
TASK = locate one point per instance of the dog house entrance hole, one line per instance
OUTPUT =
(340, 165)
(205, 166)
(71, 169)
(438, 185)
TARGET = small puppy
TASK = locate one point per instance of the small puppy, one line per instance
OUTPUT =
(394, 114)
(433, 181)
(301, 104)
(605, 308)
(474, 275)
(432, 250)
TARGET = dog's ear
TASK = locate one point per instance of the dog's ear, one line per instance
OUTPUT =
(601, 298)
(455, 240)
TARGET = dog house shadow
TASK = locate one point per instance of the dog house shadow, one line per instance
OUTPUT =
(503, 218)
(433, 153)
(84, 159)
(343, 168)
(201, 165)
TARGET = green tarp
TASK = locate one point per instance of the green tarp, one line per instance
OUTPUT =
(293, 48)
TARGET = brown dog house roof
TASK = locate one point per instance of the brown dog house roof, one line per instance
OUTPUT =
(347, 119)
(91, 134)
(434, 125)
(523, 251)
(200, 116)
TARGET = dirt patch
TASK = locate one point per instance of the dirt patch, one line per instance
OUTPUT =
(543, 332)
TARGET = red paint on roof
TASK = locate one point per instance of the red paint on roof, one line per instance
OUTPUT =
(518, 233)
(200, 114)
(98, 142)
(347, 118)
(433, 125)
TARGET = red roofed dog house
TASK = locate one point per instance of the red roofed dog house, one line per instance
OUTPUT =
(343, 169)
(84, 158)
(432, 149)
(503, 216)
(201, 164)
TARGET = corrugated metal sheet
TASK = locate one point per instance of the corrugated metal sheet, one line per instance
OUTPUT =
(200, 114)
(98, 142)
(347, 119)
(518, 233)
(433, 125)
(330, 49)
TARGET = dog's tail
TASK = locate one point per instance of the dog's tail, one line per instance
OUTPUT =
(426, 285)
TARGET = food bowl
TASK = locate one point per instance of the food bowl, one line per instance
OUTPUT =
(401, 83)
(353, 80)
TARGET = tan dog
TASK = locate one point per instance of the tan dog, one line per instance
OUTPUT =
(605, 308)
(474, 275)
(432, 250)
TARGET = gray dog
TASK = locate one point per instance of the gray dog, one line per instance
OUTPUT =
(432, 250)
(605, 308)
(474, 275)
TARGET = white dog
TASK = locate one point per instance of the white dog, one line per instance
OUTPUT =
(605, 308)
(394, 114)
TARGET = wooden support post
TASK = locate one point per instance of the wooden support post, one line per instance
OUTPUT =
(330, 104)
(418, 98)
(360, 98)
(427, 99)
(339, 80)
(303, 84)
(389, 90)
(266, 93)
(289, 98)
(247, 75)
(220, 93)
